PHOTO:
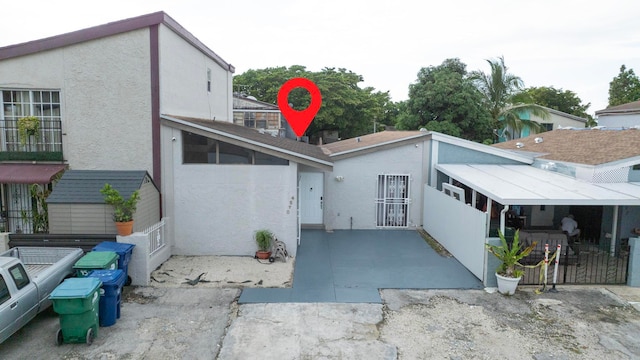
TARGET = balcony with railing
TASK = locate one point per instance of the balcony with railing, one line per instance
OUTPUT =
(42, 145)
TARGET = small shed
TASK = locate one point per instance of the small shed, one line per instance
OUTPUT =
(76, 205)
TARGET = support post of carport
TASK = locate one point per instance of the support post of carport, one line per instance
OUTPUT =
(614, 231)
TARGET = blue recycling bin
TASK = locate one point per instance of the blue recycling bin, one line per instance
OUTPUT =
(110, 294)
(124, 252)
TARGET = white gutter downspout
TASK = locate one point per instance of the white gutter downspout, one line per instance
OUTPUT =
(614, 231)
(502, 222)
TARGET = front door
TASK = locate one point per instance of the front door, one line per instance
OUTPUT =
(311, 197)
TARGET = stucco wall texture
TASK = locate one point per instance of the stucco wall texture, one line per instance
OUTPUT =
(217, 208)
(353, 198)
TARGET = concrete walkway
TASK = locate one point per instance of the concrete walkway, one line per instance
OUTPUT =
(350, 266)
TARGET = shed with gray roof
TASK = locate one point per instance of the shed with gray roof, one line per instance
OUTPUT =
(76, 205)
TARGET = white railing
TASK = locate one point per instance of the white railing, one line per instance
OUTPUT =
(156, 236)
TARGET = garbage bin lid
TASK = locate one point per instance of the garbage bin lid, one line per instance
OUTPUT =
(109, 277)
(113, 246)
(74, 288)
(96, 260)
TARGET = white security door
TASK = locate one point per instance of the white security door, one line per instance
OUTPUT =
(392, 202)
(311, 197)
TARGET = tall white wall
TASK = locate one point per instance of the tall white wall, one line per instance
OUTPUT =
(217, 208)
(183, 81)
(353, 198)
(105, 96)
(462, 235)
(619, 120)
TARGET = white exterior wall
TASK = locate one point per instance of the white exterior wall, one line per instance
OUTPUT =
(459, 227)
(105, 98)
(354, 197)
(183, 81)
(558, 120)
(619, 120)
(216, 209)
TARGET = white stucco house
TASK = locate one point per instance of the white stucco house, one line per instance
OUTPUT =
(408, 180)
(99, 93)
(625, 115)
(144, 94)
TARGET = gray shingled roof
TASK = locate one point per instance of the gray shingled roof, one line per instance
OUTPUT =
(581, 146)
(371, 140)
(628, 108)
(83, 186)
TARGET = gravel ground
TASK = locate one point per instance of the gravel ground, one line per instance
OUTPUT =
(575, 323)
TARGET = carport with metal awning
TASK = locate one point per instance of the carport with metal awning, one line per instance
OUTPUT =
(515, 185)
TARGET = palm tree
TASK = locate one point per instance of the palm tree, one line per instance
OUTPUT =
(498, 88)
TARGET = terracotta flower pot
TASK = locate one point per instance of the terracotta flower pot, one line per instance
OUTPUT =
(263, 254)
(124, 228)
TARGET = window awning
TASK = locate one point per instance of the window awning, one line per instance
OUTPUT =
(29, 173)
(527, 185)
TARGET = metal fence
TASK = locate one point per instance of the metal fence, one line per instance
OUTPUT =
(156, 236)
(589, 262)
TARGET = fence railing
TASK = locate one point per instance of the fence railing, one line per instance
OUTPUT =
(156, 236)
(588, 262)
(46, 145)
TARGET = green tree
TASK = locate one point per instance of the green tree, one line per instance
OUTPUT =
(499, 87)
(562, 100)
(346, 107)
(624, 88)
(444, 100)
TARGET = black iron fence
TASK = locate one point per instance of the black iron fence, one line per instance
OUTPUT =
(43, 145)
(586, 262)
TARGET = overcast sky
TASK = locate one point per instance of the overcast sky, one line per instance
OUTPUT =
(568, 44)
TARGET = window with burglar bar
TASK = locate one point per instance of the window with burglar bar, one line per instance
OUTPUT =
(46, 143)
(392, 201)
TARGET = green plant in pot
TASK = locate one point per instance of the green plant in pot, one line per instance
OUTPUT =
(27, 126)
(510, 272)
(263, 239)
(123, 209)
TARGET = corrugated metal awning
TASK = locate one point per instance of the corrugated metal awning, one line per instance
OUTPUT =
(29, 173)
(527, 185)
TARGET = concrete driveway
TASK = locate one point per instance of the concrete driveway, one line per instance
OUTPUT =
(155, 323)
(207, 323)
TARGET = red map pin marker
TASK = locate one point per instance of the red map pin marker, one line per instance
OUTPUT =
(299, 120)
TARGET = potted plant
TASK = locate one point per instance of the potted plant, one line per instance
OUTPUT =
(27, 126)
(123, 210)
(263, 238)
(509, 273)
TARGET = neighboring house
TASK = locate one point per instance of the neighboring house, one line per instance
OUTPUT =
(608, 157)
(99, 93)
(621, 116)
(407, 180)
(378, 179)
(556, 120)
(251, 113)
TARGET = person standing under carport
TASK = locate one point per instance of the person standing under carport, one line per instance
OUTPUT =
(570, 227)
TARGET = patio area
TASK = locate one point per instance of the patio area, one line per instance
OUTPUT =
(349, 266)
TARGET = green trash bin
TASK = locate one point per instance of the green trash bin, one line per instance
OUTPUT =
(96, 260)
(77, 301)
